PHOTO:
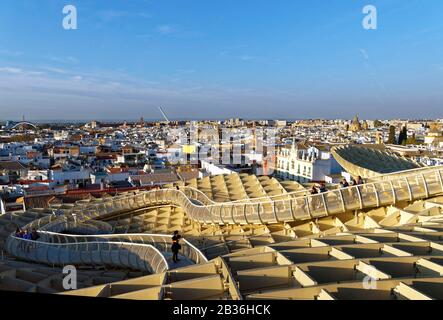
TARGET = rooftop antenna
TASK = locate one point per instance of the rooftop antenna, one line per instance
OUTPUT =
(164, 114)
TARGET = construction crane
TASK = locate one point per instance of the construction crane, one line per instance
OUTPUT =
(164, 114)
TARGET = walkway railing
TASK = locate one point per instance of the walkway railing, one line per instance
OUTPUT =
(144, 257)
(393, 175)
(160, 241)
(411, 185)
(414, 185)
(197, 206)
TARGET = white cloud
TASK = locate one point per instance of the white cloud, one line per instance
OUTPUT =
(35, 73)
(99, 95)
(144, 15)
(166, 29)
(246, 57)
(19, 71)
(68, 59)
(109, 15)
(11, 70)
(56, 70)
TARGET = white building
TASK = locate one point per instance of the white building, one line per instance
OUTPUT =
(61, 135)
(277, 123)
(131, 158)
(304, 163)
(72, 177)
(214, 169)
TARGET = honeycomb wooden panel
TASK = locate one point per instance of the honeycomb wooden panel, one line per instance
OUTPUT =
(325, 257)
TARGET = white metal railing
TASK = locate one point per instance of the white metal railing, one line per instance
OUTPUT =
(207, 200)
(410, 185)
(419, 186)
(144, 257)
(160, 241)
(387, 176)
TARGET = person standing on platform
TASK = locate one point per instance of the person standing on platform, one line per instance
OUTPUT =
(175, 246)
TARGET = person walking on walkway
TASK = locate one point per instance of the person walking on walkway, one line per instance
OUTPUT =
(314, 190)
(175, 246)
(322, 188)
(353, 182)
(344, 183)
(34, 235)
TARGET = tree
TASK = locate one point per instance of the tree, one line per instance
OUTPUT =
(378, 124)
(412, 140)
(403, 136)
(391, 138)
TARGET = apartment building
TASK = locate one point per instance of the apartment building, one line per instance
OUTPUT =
(304, 163)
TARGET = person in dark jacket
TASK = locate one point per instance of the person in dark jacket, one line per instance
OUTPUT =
(314, 190)
(175, 246)
(322, 188)
(27, 235)
(18, 233)
(344, 183)
(34, 235)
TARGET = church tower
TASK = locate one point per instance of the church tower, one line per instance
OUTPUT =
(355, 125)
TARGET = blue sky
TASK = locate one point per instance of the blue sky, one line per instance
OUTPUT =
(221, 59)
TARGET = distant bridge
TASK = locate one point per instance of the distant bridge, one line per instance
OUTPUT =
(14, 125)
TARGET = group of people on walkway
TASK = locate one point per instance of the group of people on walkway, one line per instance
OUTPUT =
(26, 234)
(318, 189)
(354, 182)
(321, 188)
(316, 203)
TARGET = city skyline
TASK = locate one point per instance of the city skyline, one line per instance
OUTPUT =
(287, 60)
(160, 119)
